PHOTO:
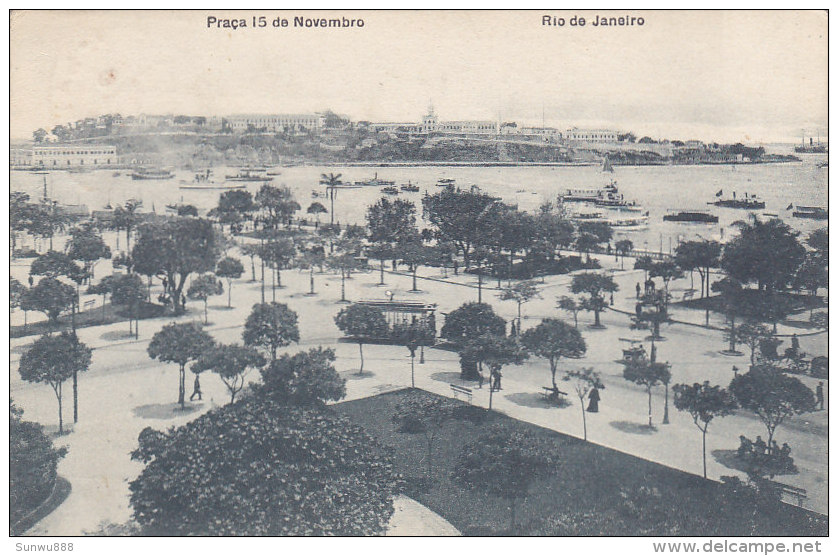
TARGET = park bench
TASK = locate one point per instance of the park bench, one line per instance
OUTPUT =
(796, 492)
(89, 304)
(458, 390)
(688, 294)
(551, 394)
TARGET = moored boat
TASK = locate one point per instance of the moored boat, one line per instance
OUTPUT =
(151, 174)
(700, 216)
(445, 182)
(748, 202)
(375, 182)
(250, 174)
(812, 213)
(409, 187)
(390, 190)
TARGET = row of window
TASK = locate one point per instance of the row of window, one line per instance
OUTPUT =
(72, 152)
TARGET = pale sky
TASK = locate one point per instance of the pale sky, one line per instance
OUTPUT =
(727, 76)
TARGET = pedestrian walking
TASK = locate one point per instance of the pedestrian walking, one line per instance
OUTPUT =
(183, 301)
(795, 343)
(819, 394)
(497, 381)
(165, 285)
(196, 388)
(612, 299)
(593, 401)
(512, 330)
(480, 380)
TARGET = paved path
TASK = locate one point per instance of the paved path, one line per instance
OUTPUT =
(125, 391)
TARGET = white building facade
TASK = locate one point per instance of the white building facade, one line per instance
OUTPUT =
(64, 156)
(591, 135)
(275, 122)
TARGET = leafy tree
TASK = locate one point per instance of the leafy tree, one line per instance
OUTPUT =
(51, 297)
(230, 269)
(52, 360)
(277, 254)
(87, 245)
(316, 209)
(584, 381)
(733, 301)
(250, 250)
(53, 264)
(572, 306)
(311, 253)
(271, 326)
(127, 289)
(457, 215)
(602, 231)
(667, 270)
(343, 262)
(418, 412)
(655, 311)
(505, 464)
(202, 287)
(765, 252)
(703, 402)
(234, 207)
(33, 464)
(45, 220)
(331, 181)
(362, 323)
(495, 351)
(700, 256)
(390, 223)
(180, 343)
(277, 202)
(307, 378)
(20, 215)
(596, 286)
(471, 320)
(752, 334)
(231, 362)
(644, 263)
(819, 242)
(647, 374)
(176, 248)
(16, 291)
(414, 254)
(126, 218)
(553, 339)
(260, 467)
(623, 247)
(521, 293)
(773, 396)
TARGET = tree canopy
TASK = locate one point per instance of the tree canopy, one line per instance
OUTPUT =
(765, 252)
(271, 326)
(471, 320)
(307, 378)
(553, 339)
(231, 362)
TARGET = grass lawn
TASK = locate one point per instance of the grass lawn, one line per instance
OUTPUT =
(92, 317)
(593, 491)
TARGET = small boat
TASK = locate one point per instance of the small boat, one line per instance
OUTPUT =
(151, 174)
(812, 213)
(409, 187)
(390, 190)
(318, 194)
(701, 216)
(375, 182)
(748, 202)
(250, 174)
(445, 182)
(203, 180)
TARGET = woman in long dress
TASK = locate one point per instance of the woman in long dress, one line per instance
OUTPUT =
(593, 400)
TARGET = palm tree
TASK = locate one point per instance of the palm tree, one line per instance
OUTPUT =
(331, 181)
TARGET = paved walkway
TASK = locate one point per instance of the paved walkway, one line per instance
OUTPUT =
(125, 391)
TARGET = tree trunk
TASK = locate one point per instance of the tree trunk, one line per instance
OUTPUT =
(252, 270)
(60, 410)
(262, 263)
(342, 286)
(206, 314)
(596, 319)
(649, 391)
(584, 419)
(182, 387)
(479, 287)
(381, 279)
(75, 396)
(311, 279)
(704, 449)
(273, 284)
(553, 369)
(414, 280)
(229, 293)
(361, 350)
(278, 278)
(412, 378)
(666, 404)
(732, 346)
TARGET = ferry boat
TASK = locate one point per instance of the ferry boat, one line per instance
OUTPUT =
(700, 216)
(748, 202)
(812, 213)
(608, 196)
(375, 182)
(445, 182)
(390, 190)
(151, 174)
(250, 174)
(409, 187)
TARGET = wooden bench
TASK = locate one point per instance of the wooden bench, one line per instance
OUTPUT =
(457, 390)
(796, 492)
(552, 394)
(688, 294)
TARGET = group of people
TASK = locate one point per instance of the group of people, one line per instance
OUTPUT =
(758, 451)
(494, 380)
(166, 297)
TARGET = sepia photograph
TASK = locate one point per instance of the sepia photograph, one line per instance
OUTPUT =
(419, 273)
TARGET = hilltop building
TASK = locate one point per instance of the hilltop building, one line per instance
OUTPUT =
(275, 122)
(591, 135)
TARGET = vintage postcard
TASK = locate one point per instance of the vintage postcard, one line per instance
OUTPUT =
(420, 273)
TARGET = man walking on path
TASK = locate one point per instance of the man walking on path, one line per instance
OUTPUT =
(819, 394)
(593, 403)
(637, 290)
(196, 388)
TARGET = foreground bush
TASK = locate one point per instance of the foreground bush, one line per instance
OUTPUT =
(260, 467)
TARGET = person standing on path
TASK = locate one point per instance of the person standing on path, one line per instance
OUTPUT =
(637, 290)
(593, 401)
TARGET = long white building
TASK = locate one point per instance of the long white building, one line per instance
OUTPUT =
(275, 122)
(63, 156)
